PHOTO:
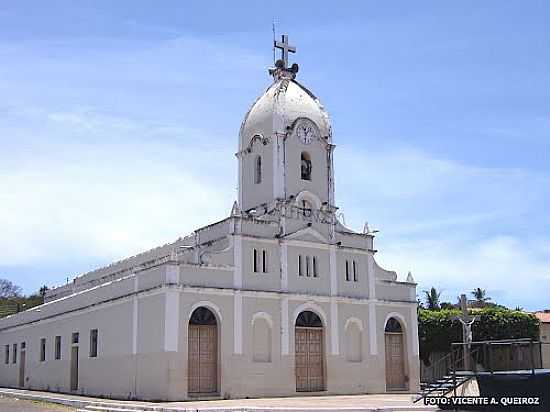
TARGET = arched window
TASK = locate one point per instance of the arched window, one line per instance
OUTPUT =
(306, 166)
(258, 169)
(393, 326)
(202, 316)
(309, 319)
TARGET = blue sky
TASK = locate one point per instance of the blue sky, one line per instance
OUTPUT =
(119, 121)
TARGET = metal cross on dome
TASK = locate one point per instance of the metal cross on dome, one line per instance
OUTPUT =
(285, 49)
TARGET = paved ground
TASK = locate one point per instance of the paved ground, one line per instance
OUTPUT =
(336, 402)
(18, 405)
(389, 402)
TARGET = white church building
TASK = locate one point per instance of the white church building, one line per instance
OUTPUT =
(277, 299)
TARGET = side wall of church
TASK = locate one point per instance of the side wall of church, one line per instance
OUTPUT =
(113, 372)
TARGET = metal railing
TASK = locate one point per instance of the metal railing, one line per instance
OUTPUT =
(466, 360)
(499, 355)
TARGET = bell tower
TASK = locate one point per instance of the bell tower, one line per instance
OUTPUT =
(285, 143)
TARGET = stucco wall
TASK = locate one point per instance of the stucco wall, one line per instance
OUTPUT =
(158, 368)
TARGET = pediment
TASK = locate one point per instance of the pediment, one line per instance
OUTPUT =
(307, 234)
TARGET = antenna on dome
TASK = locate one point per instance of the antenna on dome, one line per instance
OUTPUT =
(274, 39)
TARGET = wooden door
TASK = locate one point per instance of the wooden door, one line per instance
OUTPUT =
(22, 361)
(74, 368)
(395, 362)
(309, 359)
(203, 359)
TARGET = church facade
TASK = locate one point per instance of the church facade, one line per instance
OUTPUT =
(278, 299)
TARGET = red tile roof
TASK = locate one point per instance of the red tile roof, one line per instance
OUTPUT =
(544, 317)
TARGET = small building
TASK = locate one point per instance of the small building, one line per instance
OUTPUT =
(544, 318)
(278, 299)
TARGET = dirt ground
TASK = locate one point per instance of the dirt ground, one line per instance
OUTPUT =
(19, 405)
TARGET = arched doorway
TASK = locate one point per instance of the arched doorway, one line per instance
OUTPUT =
(395, 355)
(309, 353)
(202, 352)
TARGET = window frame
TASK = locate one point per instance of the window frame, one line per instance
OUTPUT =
(57, 348)
(306, 157)
(42, 350)
(264, 261)
(7, 354)
(258, 170)
(315, 268)
(255, 260)
(94, 343)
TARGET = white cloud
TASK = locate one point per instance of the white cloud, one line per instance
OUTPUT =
(111, 199)
(513, 271)
(455, 226)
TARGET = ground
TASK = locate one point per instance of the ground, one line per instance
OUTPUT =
(19, 405)
(394, 402)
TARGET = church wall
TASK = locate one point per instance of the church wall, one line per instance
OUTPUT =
(311, 285)
(354, 240)
(299, 222)
(149, 377)
(150, 278)
(204, 275)
(157, 372)
(214, 231)
(360, 288)
(150, 316)
(220, 254)
(347, 376)
(52, 374)
(259, 280)
(258, 228)
(261, 378)
(395, 291)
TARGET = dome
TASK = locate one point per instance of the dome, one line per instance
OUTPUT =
(276, 110)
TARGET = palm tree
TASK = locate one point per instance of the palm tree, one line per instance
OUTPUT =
(432, 298)
(480, 296)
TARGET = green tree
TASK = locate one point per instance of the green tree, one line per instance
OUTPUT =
(432, 298)
(481, 298)
(438, 329)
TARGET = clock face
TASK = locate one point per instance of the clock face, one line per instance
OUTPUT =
(306, 131)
